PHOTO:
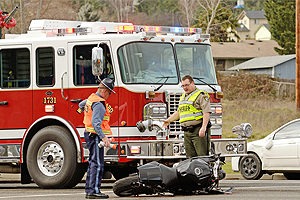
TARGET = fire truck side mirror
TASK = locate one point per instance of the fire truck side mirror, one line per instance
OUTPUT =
(97, 61)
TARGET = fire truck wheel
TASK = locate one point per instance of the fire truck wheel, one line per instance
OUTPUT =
(51, 159)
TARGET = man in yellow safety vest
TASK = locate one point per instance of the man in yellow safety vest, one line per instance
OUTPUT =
(193, 114)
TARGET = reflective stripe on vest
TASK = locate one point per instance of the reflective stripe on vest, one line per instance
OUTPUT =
(186, 109)
(88, 115)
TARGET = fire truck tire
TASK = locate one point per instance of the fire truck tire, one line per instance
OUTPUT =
(51, 159)
(123, 187)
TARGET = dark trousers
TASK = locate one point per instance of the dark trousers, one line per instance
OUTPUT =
(96, 164)
(195, 145)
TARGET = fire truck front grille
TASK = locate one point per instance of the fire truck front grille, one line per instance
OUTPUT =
(173, 102)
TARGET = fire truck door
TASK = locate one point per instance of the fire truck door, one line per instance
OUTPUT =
(51, 96)
(81, 80)
(15, 90)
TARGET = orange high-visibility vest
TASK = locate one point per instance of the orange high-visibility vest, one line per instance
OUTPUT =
(88, 114)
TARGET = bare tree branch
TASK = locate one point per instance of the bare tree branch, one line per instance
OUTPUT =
(210, 7)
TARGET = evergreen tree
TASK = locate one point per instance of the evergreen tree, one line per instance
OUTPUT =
(281, 17)
(89, 11)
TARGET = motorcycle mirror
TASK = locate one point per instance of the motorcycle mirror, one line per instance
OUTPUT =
(97, 61)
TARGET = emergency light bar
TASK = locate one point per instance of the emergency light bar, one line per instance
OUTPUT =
(62, 27)
(79, 30)
(159, 29)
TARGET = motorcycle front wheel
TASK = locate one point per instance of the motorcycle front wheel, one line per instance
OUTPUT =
(123, 187)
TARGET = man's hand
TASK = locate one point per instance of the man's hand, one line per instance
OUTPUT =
(166, 123)
(106, 141)
(172, 118)
(202, 131)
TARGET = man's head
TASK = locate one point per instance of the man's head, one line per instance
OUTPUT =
(188, 84)
(106, 87)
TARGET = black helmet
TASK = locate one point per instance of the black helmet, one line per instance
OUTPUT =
(108, 83)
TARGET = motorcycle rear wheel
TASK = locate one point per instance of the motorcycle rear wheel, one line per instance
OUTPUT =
(123, 187)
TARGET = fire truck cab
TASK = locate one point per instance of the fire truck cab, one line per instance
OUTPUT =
(46, 72)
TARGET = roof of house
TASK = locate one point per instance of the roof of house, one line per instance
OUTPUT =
(252, 14)
(242, 28)
(255, 14)
(267, 26)
(246, 49)
(263, 62)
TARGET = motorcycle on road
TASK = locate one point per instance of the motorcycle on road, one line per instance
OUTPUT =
(197, 175)
(191, 176)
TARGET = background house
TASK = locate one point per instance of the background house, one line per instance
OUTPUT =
(250, 22)
(263, 32)
(283, 67)
(229, 54)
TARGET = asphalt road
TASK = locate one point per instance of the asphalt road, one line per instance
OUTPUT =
(266, 189)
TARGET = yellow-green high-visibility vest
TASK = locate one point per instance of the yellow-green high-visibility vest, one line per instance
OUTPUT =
(186, 109)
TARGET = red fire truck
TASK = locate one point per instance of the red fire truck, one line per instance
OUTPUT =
(46, 72)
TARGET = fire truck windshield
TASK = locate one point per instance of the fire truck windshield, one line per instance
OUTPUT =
(151, 62)
(196, 60)
(145, 62)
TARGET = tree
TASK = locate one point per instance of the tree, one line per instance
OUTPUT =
(161, 12)
(121, 8)
(281, 17)
(188, 8)
(88, 12)
(254, 4)
(217, 19)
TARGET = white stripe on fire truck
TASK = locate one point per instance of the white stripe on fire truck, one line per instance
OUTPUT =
(12, 134)
(124, 132)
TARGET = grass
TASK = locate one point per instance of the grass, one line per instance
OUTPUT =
(265, 116)
(227, 168)
(252, 98)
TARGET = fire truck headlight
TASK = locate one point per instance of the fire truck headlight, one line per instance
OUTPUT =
(159, 110)
(155, 111)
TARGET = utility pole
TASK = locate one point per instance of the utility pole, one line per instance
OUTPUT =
(297, 86)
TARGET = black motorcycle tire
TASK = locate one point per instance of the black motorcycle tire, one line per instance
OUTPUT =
(123, 187)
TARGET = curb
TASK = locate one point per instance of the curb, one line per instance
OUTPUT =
(264, 177)
(15, 178)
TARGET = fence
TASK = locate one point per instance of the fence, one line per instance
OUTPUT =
(285, 89)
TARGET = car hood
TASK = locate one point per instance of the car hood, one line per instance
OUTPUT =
(256, 144)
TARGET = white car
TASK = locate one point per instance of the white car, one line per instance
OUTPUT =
(278, 152)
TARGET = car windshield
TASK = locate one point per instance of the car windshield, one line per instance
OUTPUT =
(145, 62)
(196, 60)
(289, 131)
